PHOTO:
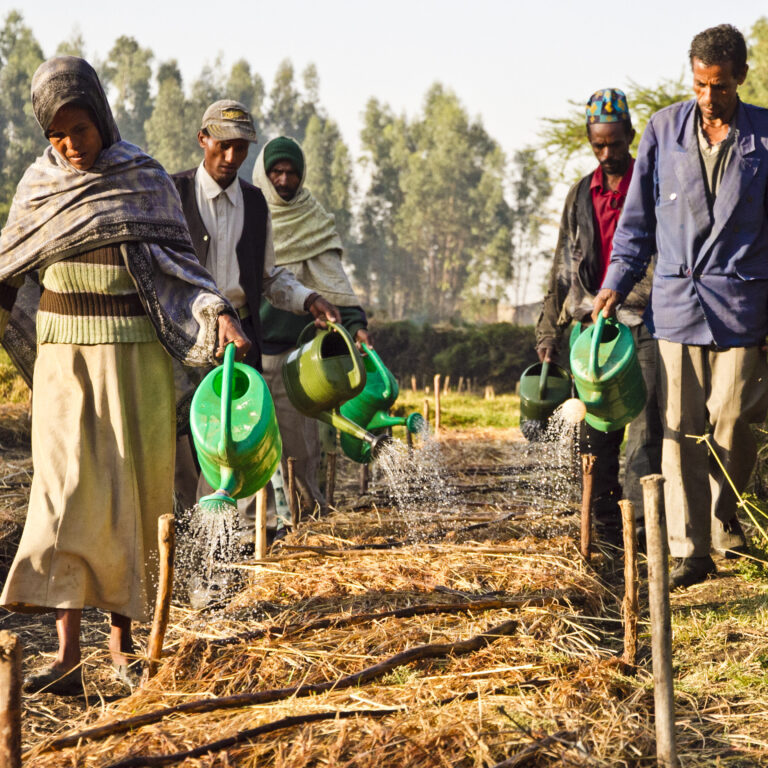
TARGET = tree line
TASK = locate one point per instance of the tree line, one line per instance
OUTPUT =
(447, 225)
(437, 234)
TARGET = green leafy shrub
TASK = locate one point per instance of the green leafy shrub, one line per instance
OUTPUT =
(494, 354)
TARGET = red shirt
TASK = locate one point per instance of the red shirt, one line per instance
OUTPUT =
(607, 206)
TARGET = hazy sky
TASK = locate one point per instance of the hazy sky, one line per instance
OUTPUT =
(511, 63)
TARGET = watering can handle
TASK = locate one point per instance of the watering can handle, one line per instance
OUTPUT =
(597, 335)
(226, 397)
(543, 379)
(303, 334)
(356, 376)
(380, 367)
(357, 373)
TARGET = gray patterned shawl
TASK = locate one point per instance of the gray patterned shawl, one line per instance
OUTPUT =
(126, 197)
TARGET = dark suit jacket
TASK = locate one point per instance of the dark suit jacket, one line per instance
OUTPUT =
(250, 248)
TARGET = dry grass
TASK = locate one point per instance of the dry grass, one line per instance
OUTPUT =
(552, 693)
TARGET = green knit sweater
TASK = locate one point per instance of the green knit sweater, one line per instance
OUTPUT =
(91, 299)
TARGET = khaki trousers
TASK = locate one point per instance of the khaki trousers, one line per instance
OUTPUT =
(714, 392)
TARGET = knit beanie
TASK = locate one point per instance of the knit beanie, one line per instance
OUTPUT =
(284, 148)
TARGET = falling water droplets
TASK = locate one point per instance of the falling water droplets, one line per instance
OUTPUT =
(414, 477)
(210, 542)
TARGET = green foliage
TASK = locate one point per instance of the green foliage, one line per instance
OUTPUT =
(128, 71)
(171, 138)
(21, 139)
(565, 138)
(290, 112)
(12, 386)
(461, 411)
(247, 88)
(493, 354)
(436, 228)
(531, 188)
(755, 89)
(329, 169)
(73, 46)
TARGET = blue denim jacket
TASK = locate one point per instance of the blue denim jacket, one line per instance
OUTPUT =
(710, 282)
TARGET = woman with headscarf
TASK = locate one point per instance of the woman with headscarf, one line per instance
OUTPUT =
(121, 289)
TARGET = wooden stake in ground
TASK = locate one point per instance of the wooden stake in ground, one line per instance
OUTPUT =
(460, 386)
(413, 383)
(447, 385)
(293, 502)
(10, 700)
(409, 438)
(437, 403)
(661, 623)
(364, 475)
(425, 414)
(587, 465)
(631, 605)
(166, 539)
(260, 528)
(330, 479)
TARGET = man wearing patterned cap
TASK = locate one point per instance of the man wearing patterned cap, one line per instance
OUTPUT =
(590, 216)
(697, 206)
(231, 231)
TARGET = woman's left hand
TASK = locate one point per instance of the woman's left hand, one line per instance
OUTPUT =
(230, 331)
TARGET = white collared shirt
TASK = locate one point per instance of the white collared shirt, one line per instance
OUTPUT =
(223, 215)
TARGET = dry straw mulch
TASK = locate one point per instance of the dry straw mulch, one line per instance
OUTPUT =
(473, 636)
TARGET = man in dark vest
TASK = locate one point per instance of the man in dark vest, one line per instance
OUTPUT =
(231, 231)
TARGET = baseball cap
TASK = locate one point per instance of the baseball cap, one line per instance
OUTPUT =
(226, 119)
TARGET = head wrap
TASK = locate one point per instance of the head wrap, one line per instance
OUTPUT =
(304, 233)
(284, 148)
(226, 120)
(608, 105)
(125, 198)
(66, 80)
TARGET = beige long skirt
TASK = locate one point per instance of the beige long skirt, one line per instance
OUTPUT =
(103, 441)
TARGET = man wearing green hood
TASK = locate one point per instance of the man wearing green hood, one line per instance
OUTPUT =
(306, 243)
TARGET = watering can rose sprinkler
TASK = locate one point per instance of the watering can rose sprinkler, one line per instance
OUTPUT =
(235, 432)
(370, 408)
(324, 372)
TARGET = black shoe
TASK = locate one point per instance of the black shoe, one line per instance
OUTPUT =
(52, 680)
(734, 553)
(691, 570)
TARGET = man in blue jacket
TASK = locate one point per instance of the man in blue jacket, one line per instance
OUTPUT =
(699, 198)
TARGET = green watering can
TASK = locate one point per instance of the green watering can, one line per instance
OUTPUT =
(370, 408)
(543, 387)
(607, 375)
(324, 372)
(235, 432)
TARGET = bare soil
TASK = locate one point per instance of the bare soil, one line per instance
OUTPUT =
(554, 692)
